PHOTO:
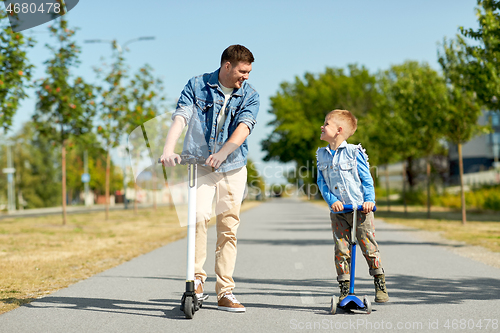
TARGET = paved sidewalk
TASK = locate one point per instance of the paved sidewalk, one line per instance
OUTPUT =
(285, 277)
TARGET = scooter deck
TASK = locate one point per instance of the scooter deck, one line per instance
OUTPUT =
(351, 302)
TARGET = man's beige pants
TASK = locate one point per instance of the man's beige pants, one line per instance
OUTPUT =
(228, 189)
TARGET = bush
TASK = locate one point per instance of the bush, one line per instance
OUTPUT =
(487, 197)
(492, 201)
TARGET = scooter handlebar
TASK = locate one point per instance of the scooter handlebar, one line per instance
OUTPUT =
(360, 207)
(189, 159)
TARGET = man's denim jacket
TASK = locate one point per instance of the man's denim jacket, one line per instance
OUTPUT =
(344, 175)
(200, 104)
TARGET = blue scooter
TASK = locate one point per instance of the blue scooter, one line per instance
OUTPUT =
(351, 302)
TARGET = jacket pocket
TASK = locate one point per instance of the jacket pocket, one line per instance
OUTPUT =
(204, 106)
(347, 166)
(322, 167)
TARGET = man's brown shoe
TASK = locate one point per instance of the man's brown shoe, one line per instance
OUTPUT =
(230, 303)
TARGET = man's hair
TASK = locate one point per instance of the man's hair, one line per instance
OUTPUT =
(235, 54)
(345, 119)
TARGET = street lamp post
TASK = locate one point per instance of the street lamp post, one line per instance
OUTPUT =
(114, 43)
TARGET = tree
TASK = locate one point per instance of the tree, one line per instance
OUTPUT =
(113, 109)
(37, 168)
(412, 112)
(255, 180)
(147, 101)
(96, 167)
(64, 109)
(15, 71)
(300, 109)
(463, 110)
(480, 62)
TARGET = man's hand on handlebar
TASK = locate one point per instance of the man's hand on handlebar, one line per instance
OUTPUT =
(216, 159)
(170, 159)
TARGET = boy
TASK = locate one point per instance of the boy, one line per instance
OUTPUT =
(344, 178)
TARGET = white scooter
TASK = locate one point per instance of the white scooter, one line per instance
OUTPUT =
(189, 302)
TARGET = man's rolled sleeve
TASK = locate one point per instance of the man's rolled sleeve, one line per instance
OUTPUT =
(248, 114)
(185, 104)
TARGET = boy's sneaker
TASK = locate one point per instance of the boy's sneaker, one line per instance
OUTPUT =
(381, 295)
(198, 289)
(230, 303)
(344, 289)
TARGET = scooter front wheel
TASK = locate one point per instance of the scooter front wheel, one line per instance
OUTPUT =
(334, 304)
(188, 307)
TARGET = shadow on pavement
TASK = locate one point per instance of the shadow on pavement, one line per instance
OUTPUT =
(416, 289)
(403, 289)
(322, 242)
(153, 308)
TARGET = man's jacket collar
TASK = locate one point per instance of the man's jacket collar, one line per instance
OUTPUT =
(213, 82)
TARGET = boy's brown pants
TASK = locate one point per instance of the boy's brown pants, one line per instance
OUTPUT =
(365, 233)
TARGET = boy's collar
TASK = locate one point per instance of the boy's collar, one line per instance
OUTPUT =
(342, 145)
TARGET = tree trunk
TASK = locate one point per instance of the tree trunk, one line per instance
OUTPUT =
(135, 199)
(387, 187)
(154, 190)
(108, 166)
(409, 173)
(136, 188)
(63, 153)
(404, 187)
(461, 168)
(428, 188)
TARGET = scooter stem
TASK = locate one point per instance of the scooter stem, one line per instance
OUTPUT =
(353, 250)
(191, 226)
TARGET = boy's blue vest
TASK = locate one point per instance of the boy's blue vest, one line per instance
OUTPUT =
(341, 172)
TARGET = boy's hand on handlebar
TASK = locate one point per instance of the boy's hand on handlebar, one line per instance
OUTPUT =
(338, 206)
(368, 207)
(169, 160)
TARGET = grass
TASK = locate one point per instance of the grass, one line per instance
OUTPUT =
(39, 255)
(482, 228)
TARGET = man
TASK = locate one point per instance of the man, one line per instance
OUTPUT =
(222, 108)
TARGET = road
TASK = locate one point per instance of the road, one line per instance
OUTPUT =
(285, 277)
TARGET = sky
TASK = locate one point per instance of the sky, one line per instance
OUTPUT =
(287, 38)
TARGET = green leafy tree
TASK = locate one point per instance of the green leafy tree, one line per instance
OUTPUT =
(146, 102)
(38, 173)
(64, 109)
(96, 166)
(15, 71)
(413, 112)
(463, 110)
(113, 109)
(480, 61)
(300, 109)
(255, 181)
